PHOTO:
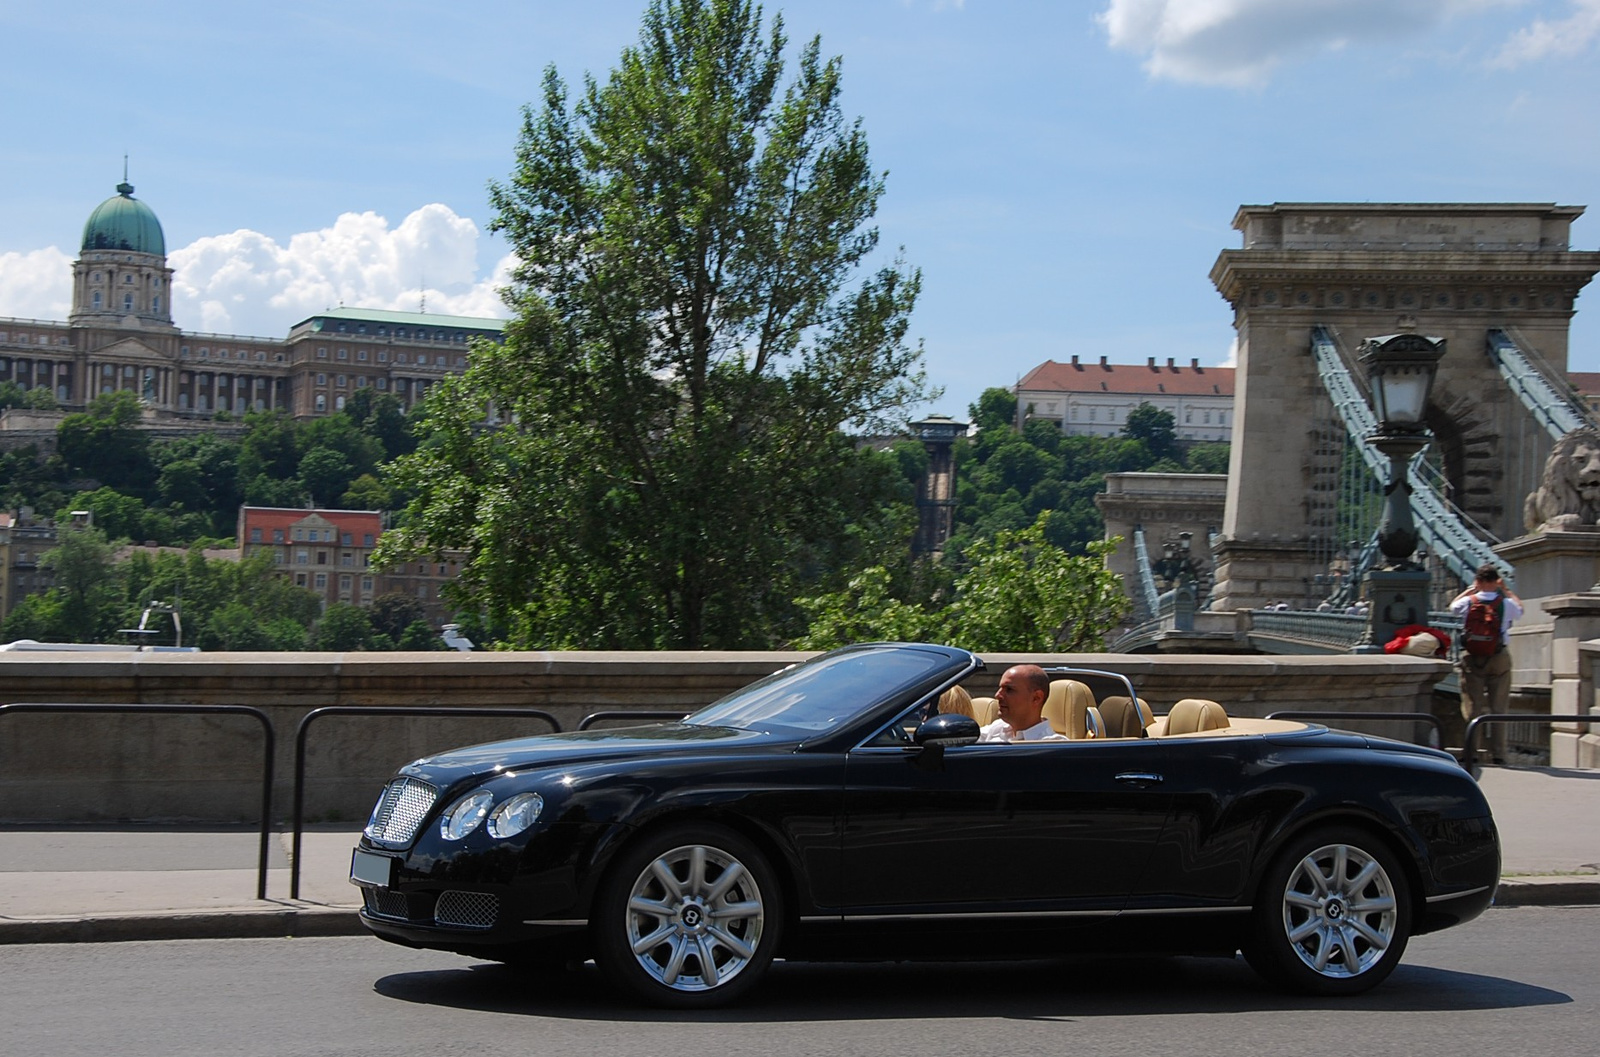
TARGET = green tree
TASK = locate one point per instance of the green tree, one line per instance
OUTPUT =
(1157, 428)
(327, 474)
(344, 628)
(84, 564)
(394, 611)
(106, 444)
(662, 466)
(1023, 593)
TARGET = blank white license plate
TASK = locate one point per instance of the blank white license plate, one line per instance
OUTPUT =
(369, 869)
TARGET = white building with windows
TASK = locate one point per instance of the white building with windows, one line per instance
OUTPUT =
(1094, 399)
(120, 336)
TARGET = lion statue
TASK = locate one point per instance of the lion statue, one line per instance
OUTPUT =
(1570, 494)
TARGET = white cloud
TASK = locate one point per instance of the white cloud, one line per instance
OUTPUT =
(36, 285)
(1562, 38)
(245, 282)
(1239, 43)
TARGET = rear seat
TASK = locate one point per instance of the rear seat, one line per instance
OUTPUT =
(1124, 718)
(1192, 715)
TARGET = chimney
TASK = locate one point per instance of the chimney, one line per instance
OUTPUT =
(1075, 361)
(1169, 363)
(1103, 361)
(1195, 362)
(1152, 363)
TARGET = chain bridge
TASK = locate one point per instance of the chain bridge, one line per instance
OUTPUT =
(1499, 283)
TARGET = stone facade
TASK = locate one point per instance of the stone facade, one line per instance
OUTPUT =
(120, 336)
(1165, 504)
(1451, 271)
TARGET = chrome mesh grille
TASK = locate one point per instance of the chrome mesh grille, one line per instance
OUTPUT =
(384, 903)
(401, 809)
(466, 910)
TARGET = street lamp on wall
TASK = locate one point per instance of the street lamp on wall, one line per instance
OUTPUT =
(1400, 371)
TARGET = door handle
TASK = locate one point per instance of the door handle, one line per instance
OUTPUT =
(1139, 778)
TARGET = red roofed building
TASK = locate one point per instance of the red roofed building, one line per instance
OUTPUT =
(330, 553)
(1093, 399)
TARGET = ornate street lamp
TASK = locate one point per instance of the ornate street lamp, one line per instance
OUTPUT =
(1400, 370)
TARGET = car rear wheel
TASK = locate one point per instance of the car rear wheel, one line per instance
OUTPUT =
(688, 917)
(1333, 915)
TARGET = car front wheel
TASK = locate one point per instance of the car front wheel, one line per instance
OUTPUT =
(688, 917)
(1333, 916)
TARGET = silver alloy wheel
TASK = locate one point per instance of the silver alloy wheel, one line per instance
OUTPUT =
(694, 918)
(1339, 910)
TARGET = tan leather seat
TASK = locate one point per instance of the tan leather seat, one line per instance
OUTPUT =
(1125, 718)
(1071, 710)
(985, 710)
(1191, 716)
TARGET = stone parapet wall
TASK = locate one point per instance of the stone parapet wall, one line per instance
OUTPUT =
(97, 768)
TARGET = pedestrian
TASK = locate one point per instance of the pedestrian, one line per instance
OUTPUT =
(1487, 610)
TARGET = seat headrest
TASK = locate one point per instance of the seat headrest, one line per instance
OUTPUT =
(1123, 718)
(1194, 714)
(985, 710)
(1067, 708)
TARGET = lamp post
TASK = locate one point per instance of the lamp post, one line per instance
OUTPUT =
(1400, 370)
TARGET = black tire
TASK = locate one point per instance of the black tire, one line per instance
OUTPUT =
(1333, 914)
(709, 899)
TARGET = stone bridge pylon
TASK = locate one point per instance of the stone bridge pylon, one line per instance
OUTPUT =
(1456, 272)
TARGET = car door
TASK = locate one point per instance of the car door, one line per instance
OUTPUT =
(1053, 826)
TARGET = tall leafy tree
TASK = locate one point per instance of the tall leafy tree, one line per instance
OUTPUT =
(654, 457)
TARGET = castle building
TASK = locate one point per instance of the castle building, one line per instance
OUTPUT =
(119, 336)
(1093, 399)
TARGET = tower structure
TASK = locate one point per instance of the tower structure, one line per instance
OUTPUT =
(1456, 271)
(936, 497)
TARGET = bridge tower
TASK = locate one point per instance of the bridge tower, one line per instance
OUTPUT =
(1456, 272)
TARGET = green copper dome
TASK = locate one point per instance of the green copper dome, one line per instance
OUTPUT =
(124, 223)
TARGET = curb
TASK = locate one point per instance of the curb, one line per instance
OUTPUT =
(276, 922)
(280, 920)
(1555, 891)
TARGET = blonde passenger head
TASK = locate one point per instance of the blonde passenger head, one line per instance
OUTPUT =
(956, 701)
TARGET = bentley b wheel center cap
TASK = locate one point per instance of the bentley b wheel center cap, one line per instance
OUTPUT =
(1334, 910)
(692, 918)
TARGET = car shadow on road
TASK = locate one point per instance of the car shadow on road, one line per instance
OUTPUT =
(1030, 990)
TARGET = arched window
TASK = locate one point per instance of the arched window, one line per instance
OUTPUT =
(95, 300)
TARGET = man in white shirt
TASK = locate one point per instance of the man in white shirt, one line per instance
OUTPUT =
(1486, 677)
(1021, 697)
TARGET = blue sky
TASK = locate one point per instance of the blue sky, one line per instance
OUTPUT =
(1065, 173)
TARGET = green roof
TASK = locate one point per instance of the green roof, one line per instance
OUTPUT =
(124, 223)
(406, 319)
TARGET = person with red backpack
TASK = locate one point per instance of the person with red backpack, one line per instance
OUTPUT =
(1487, 610)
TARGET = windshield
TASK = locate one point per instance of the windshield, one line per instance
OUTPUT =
(824, 692)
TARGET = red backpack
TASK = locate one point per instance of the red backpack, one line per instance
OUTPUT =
(1480, 632)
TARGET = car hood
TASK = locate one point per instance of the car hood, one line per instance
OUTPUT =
(587, 746)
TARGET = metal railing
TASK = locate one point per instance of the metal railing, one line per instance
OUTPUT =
(1469, 741)
(1530, 378)
(269, 739)
(375, 710)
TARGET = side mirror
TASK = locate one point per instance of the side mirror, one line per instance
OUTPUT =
(946, 731)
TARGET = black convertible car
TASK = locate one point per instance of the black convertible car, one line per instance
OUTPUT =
(833, 811)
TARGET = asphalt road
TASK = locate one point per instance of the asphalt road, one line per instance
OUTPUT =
(1516, 981)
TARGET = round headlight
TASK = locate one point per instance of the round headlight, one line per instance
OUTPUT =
(516, 815)
(464, 817)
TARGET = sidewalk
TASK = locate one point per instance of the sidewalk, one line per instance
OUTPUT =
(91, 884)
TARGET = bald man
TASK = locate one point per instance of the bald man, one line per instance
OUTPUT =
(1021, 696)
